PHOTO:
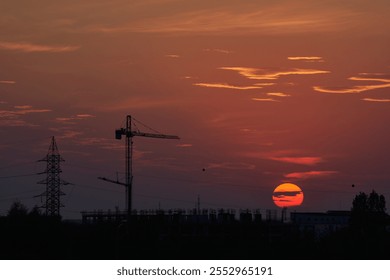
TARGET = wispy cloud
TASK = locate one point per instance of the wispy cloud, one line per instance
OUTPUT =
(72, 119)
(84, 116)
(69, 134)
(172, 55)
(15, 122)
(309, 174)
(29, 47)
(376, 100)
(232, 19)
(136, 103)
(260, 74)
(222, 85)
(383, 80)
(8, 82)
(23, 107)
(62, 119)
(278, 94)
(263, 74)
(231, 165)
(384, 83)
(298, 160)
(282, 194)
(189, 77)
(101, 142)
(218, 51)
(355, 89)
(265, 99)
(12, 117)
(184, 145)
(264, 84)
(306, 58)
(288, 156)
(18, 112)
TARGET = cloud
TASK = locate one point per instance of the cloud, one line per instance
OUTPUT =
(28, 47)
(71, 119)
(12, 117)
(290, 18)
(260, 74)
(84, 116)
(264, 84)
(383, 80)
(298, 160)
(68, 134)
(218, 51)
(286, 193)
(18, 112)
(172, 55)
(355, 89)
(306, 58)
(231, 165)
(222, 85)
(136, 103)
(23, 107)
(265, 99)
(309, 174)
(64, 119)
(15, 122)
(253, 73)
(8, 82)
(376, 100)
(184, 145)
(385, 83)
(102, 142)
(278, 94)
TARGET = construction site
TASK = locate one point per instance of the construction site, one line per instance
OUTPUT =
(194, 233)
(51, 197)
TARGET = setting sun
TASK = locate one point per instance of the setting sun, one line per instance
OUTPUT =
(287, 194)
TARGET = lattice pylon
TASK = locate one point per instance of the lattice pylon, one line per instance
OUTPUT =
(53, 182)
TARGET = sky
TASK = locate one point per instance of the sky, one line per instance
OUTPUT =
(259, 92)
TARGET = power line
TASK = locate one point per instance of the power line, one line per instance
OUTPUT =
(17, 196)
(17, 176)
(16, 165)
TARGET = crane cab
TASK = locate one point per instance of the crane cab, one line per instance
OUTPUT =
(118, 134)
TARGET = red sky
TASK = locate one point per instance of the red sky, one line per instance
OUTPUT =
(260, 93)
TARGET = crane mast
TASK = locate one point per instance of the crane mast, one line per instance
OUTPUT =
(129, 133)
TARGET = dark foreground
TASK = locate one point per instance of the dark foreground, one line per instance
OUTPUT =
(42, 238)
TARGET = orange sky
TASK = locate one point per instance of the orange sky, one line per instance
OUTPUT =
(260, 92)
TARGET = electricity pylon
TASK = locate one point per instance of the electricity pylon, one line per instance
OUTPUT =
(53, 181)
(129, 133)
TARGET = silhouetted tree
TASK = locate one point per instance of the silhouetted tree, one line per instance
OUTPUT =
(35, 212)
(17, 210)
(376, 203)
(368, 213)
(359, 204)
(369, 203)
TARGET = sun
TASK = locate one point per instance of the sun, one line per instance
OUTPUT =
(287, 195)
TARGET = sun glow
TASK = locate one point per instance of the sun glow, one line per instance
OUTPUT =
(287, 194)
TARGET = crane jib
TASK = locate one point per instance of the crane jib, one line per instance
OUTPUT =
(153, 135)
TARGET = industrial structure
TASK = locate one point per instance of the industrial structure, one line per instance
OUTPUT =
(129, 133)
(185, 216)
(53, 182)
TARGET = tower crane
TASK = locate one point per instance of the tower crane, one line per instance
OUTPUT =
(129, 133)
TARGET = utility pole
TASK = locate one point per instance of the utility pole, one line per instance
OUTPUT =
(53, 181)
(129, 133)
